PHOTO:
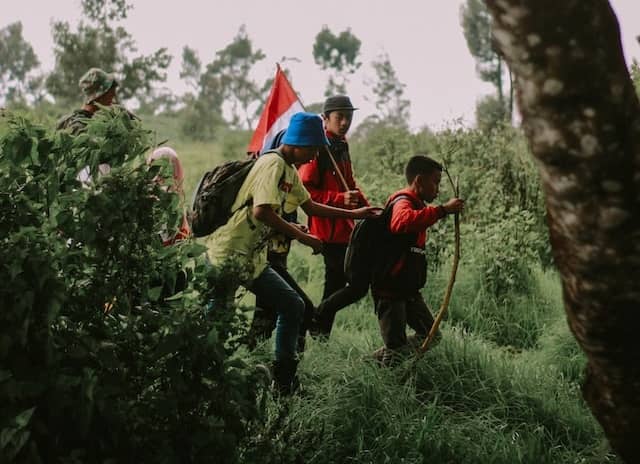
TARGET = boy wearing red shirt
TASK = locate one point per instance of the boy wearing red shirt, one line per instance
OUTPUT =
(397, 282)
(325, 186)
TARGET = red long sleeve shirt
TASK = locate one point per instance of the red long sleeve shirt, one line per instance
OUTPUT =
(407, 220)
(321, 180)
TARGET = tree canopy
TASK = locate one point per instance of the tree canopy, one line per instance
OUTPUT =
(338, 53)
(17, 61)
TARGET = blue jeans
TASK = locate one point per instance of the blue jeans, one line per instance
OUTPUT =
(273, 289)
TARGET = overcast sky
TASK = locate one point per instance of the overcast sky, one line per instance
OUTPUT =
(424, 41)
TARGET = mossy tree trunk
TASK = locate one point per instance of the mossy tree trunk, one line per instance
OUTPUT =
(581, 115)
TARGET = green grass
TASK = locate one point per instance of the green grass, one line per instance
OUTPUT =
(469, 400)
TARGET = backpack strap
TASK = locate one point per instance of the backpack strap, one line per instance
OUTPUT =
(388, 209)
(250, 200)
(404, 196)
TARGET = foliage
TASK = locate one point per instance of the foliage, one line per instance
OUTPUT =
(225, 80)
(200, 121)
(338, 53)
(104, 11)
(477, 27)
(496, 174)
(490, 113)
(635, 75)
(102, 44)
(380, 152)
(17, 61)
(98, 363)
(504, 250)
(191, 67)
(389, 93)
(231, 68)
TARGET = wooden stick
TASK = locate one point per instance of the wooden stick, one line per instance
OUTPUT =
(452, 278)
(335, 166)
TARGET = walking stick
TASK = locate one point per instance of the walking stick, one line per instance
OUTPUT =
(337, 169)
(452, 279)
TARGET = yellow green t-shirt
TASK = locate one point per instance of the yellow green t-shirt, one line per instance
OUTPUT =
(273, 182)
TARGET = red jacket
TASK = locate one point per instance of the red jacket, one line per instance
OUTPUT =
(405, 269)
(322, 182)
(406, 220)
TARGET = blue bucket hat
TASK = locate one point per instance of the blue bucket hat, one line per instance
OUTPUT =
(305, 130)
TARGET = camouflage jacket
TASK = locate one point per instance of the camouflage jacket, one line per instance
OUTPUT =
(74, 122)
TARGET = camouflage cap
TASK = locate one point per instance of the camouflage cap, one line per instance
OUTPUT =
(96, 83)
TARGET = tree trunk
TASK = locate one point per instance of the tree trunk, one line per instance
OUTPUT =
(510, 116)
(581, 116)
(499, 82)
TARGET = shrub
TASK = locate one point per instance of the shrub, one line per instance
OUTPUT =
(96, 364)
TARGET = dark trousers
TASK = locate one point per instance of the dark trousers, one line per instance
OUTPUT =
(265, 315)
(337, 292)
(394, 315)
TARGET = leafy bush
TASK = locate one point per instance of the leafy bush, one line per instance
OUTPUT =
(97, 364)
(380, 153)
(504, 251)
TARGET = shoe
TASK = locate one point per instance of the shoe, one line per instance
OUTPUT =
(378, 355)
(285, 381)
(386, 357)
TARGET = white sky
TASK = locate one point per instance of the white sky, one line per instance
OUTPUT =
(423, 39)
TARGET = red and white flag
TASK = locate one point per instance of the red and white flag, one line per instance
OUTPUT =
(283, 102)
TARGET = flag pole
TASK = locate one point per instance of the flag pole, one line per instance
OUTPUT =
(326, 149)
(337, 169)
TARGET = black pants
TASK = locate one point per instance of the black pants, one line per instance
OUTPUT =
(337, 292)
(395, 315)
(264, 317)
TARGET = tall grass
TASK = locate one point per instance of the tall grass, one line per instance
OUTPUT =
(501, 387)
(468, 400)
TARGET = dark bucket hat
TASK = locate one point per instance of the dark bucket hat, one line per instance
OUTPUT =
(337, 102)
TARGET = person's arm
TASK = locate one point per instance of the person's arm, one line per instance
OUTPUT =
(311, 208)
(266, 215)
(310, 176)
(406, 220)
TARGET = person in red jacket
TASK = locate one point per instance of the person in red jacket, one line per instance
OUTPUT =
(325, 185)
(397, 281)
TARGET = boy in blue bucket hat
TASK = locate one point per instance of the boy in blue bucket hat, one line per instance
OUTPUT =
(271, 188)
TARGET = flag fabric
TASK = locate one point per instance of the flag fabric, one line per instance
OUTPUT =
(283, 102)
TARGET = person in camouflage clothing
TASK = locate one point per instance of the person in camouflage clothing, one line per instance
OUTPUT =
(99, 88)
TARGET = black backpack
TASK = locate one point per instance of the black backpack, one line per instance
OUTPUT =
(370, 246)
(215, 194)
